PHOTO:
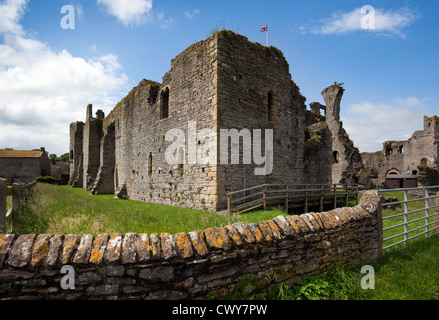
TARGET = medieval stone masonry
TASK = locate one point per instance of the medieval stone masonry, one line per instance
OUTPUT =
(23, 166)
(404, 161)
(238, 91)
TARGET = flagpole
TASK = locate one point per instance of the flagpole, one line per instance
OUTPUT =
(267, 37)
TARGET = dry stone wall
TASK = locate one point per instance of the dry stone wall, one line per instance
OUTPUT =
(189, 265)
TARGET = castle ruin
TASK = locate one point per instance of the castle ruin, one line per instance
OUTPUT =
(413, 159)
(222, 83)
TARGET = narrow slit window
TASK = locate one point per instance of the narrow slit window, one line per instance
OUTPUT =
(164, 104)
(150, 164)
(270, 106)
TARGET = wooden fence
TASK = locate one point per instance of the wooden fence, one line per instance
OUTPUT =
(19, 192)
(304, 196)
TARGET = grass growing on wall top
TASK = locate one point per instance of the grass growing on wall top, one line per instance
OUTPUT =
(64, 210)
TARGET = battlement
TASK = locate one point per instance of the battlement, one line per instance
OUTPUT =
(222, 82)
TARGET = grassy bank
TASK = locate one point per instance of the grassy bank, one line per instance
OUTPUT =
(64, 210)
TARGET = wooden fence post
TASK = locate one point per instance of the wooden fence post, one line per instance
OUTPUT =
(16, 202)
(2, 206)
(264, 203)
(321, 198)
(286, 198)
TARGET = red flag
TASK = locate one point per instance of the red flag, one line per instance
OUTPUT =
(264, 28)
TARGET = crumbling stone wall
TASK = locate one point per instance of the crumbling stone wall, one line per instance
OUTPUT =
(18, 168)
(75, 160)
(192, 265)
(223, 82)
(345, 158)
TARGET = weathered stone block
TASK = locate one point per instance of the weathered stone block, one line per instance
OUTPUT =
(156, 253)
(71, 242)
(114, 248)
(21, 252)
(104, 290)
(82, 255)
(161, 274)
(234, 235)
(143, 247)
(56, 243)
(198, 239)
(168, 246)
(217, 238)
(129, 252)
(245, 233)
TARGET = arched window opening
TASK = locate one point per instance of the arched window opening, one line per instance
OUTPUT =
(389, 151)
(270, 106)
(335, 157)
(180, 159)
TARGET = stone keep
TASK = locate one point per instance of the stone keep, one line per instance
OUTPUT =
(224, 82)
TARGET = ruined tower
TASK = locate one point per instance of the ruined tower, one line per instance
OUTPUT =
(76, 149)
(416, 157)
(345, 158)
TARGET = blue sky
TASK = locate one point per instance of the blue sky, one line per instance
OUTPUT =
(49, 74)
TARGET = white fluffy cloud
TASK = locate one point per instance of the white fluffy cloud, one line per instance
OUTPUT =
(370, 124)
(132, 12)
(43, 90)
(10, 14)
(386, 22)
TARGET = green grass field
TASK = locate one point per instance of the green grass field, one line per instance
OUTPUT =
(64, 210)
(402, 273)
(417, 219)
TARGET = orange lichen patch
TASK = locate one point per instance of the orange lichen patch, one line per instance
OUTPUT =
(97, 251)
(167, 246)
(20, 154)
(276, 234)
(155, 246)
(198, 239)
(245, 232)
(334, 218)
(113, 249)
(184, 246)
(217, 238)
(5, 242)
(70, 243)
(234, 234)
(266, 231)
(317, 219)
(297, 224)
(41, 249)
